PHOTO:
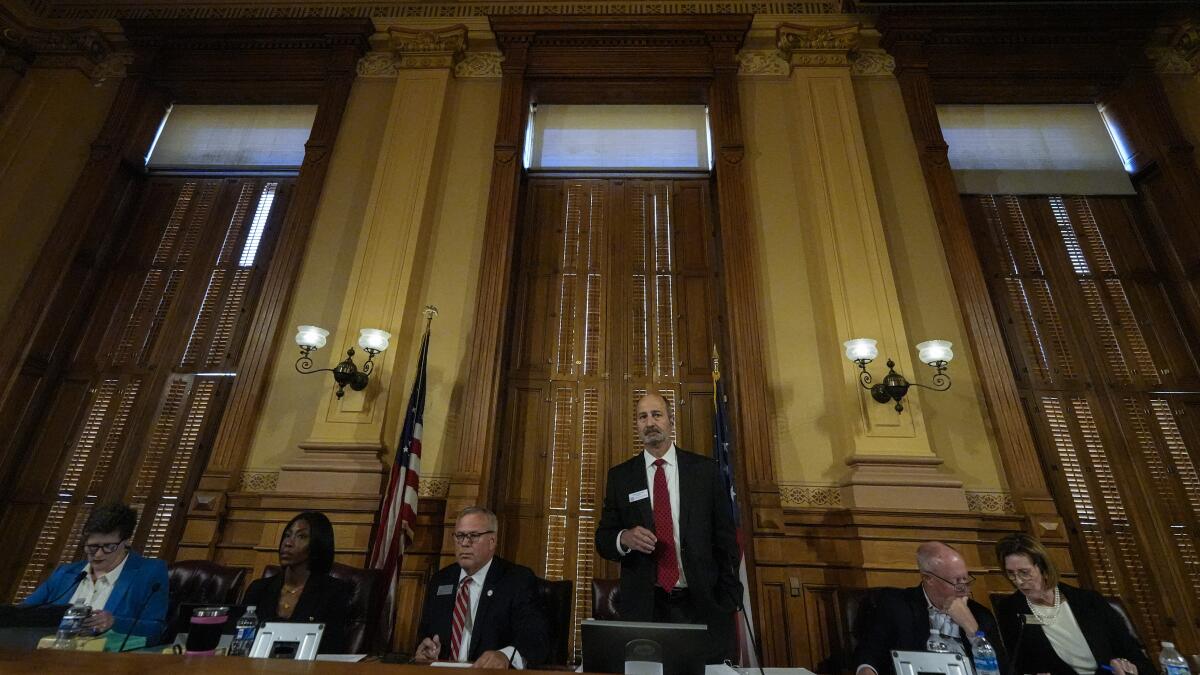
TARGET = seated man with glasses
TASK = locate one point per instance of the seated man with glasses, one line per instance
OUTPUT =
(114, 580)
(483, 609)
(902, 618)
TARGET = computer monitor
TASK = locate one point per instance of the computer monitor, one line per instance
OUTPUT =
(680, 647)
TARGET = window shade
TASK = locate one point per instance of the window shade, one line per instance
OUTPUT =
(233, 136)
(619, 137)
(1032, 149)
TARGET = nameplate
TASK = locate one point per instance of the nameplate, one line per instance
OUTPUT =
(1033, 620)
(639, 496)
(445, 590)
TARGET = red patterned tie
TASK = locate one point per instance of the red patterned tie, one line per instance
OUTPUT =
(462, 610)
(668, 567)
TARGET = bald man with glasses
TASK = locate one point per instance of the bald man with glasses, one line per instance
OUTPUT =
(482, 609)
(902, 617)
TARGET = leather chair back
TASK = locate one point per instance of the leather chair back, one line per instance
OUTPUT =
(857, 606)
(199, 582)
(555, 597)
(366, 606)
(604, 599)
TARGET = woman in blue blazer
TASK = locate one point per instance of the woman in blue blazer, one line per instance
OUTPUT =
(114, 580)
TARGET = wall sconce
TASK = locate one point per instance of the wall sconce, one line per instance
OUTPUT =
(372, 341)
(894, 387)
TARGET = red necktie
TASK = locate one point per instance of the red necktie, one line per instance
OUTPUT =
(668, 567)
(462, 610)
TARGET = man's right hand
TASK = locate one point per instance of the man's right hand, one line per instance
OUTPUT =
(428, 650)
(638, 539)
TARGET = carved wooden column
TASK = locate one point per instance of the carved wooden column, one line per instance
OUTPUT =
(342, 454)
(1017, 450)
(739, 266)
(470, 482)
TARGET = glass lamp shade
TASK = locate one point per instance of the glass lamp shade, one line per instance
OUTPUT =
(373, 339)
(933, 351)
(312, 337)
(861, 349)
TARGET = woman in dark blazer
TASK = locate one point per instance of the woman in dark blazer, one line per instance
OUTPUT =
(304, 591)
(1068, 630)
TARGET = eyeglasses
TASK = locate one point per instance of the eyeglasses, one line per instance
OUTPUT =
(92, 549)
(1019, 575)
(958, 585)
(470, 537)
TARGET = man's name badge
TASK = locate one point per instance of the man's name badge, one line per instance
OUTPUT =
(446, 590)
(639, 495)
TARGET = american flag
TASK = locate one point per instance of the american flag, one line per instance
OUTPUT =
(723, 448)
(398, 514)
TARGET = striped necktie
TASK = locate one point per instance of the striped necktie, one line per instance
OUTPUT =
(462, 613)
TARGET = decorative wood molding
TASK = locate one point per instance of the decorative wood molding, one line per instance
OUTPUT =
(258, 481)
(434, 487)
(810, 496)
(990, 502)
(44, 46)
(443, 9)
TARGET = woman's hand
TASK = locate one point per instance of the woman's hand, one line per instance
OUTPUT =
(98, 622)
(1123, 667)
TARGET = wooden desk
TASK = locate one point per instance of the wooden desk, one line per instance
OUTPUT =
(47, 662)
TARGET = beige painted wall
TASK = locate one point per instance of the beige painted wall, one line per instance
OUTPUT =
(45, 136)
(797, 347)
(445, 274)
(291, 399)
(956, 420)
(448, 269)
(803, 355)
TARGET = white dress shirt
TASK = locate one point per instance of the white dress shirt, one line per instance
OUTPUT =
(1068, 641)
(95, 593)
(671, 469)
(474, 593)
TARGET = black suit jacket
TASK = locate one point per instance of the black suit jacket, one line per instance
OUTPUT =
(899, 619)
(324, 600)
(509, 613)
(1105, 631)
(707, 541)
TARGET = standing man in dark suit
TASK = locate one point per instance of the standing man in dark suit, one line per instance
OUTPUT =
(902, 618)
(667, 520)
(482, 609)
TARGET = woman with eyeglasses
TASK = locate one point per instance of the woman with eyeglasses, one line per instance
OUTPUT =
(127, 593)
(1068, 630)
(304, 591)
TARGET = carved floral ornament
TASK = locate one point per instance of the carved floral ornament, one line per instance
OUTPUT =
(817, 45)
(85, 49)
(441, 48)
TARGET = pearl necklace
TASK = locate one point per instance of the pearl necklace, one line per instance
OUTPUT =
(1050, 615)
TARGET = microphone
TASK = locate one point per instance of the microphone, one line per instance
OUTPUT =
(1016, 652)
(138, 617)
(70, 588)
(741, 609)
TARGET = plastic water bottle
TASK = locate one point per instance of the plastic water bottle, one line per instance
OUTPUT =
(70, 625)
(984, 654)
(1172, 661)
(936, 642)
(243, 635)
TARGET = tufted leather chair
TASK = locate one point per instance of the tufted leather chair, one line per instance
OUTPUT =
(555, 597)
(199, 581)
(366, 606)
(858, 607)
(604, 599)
